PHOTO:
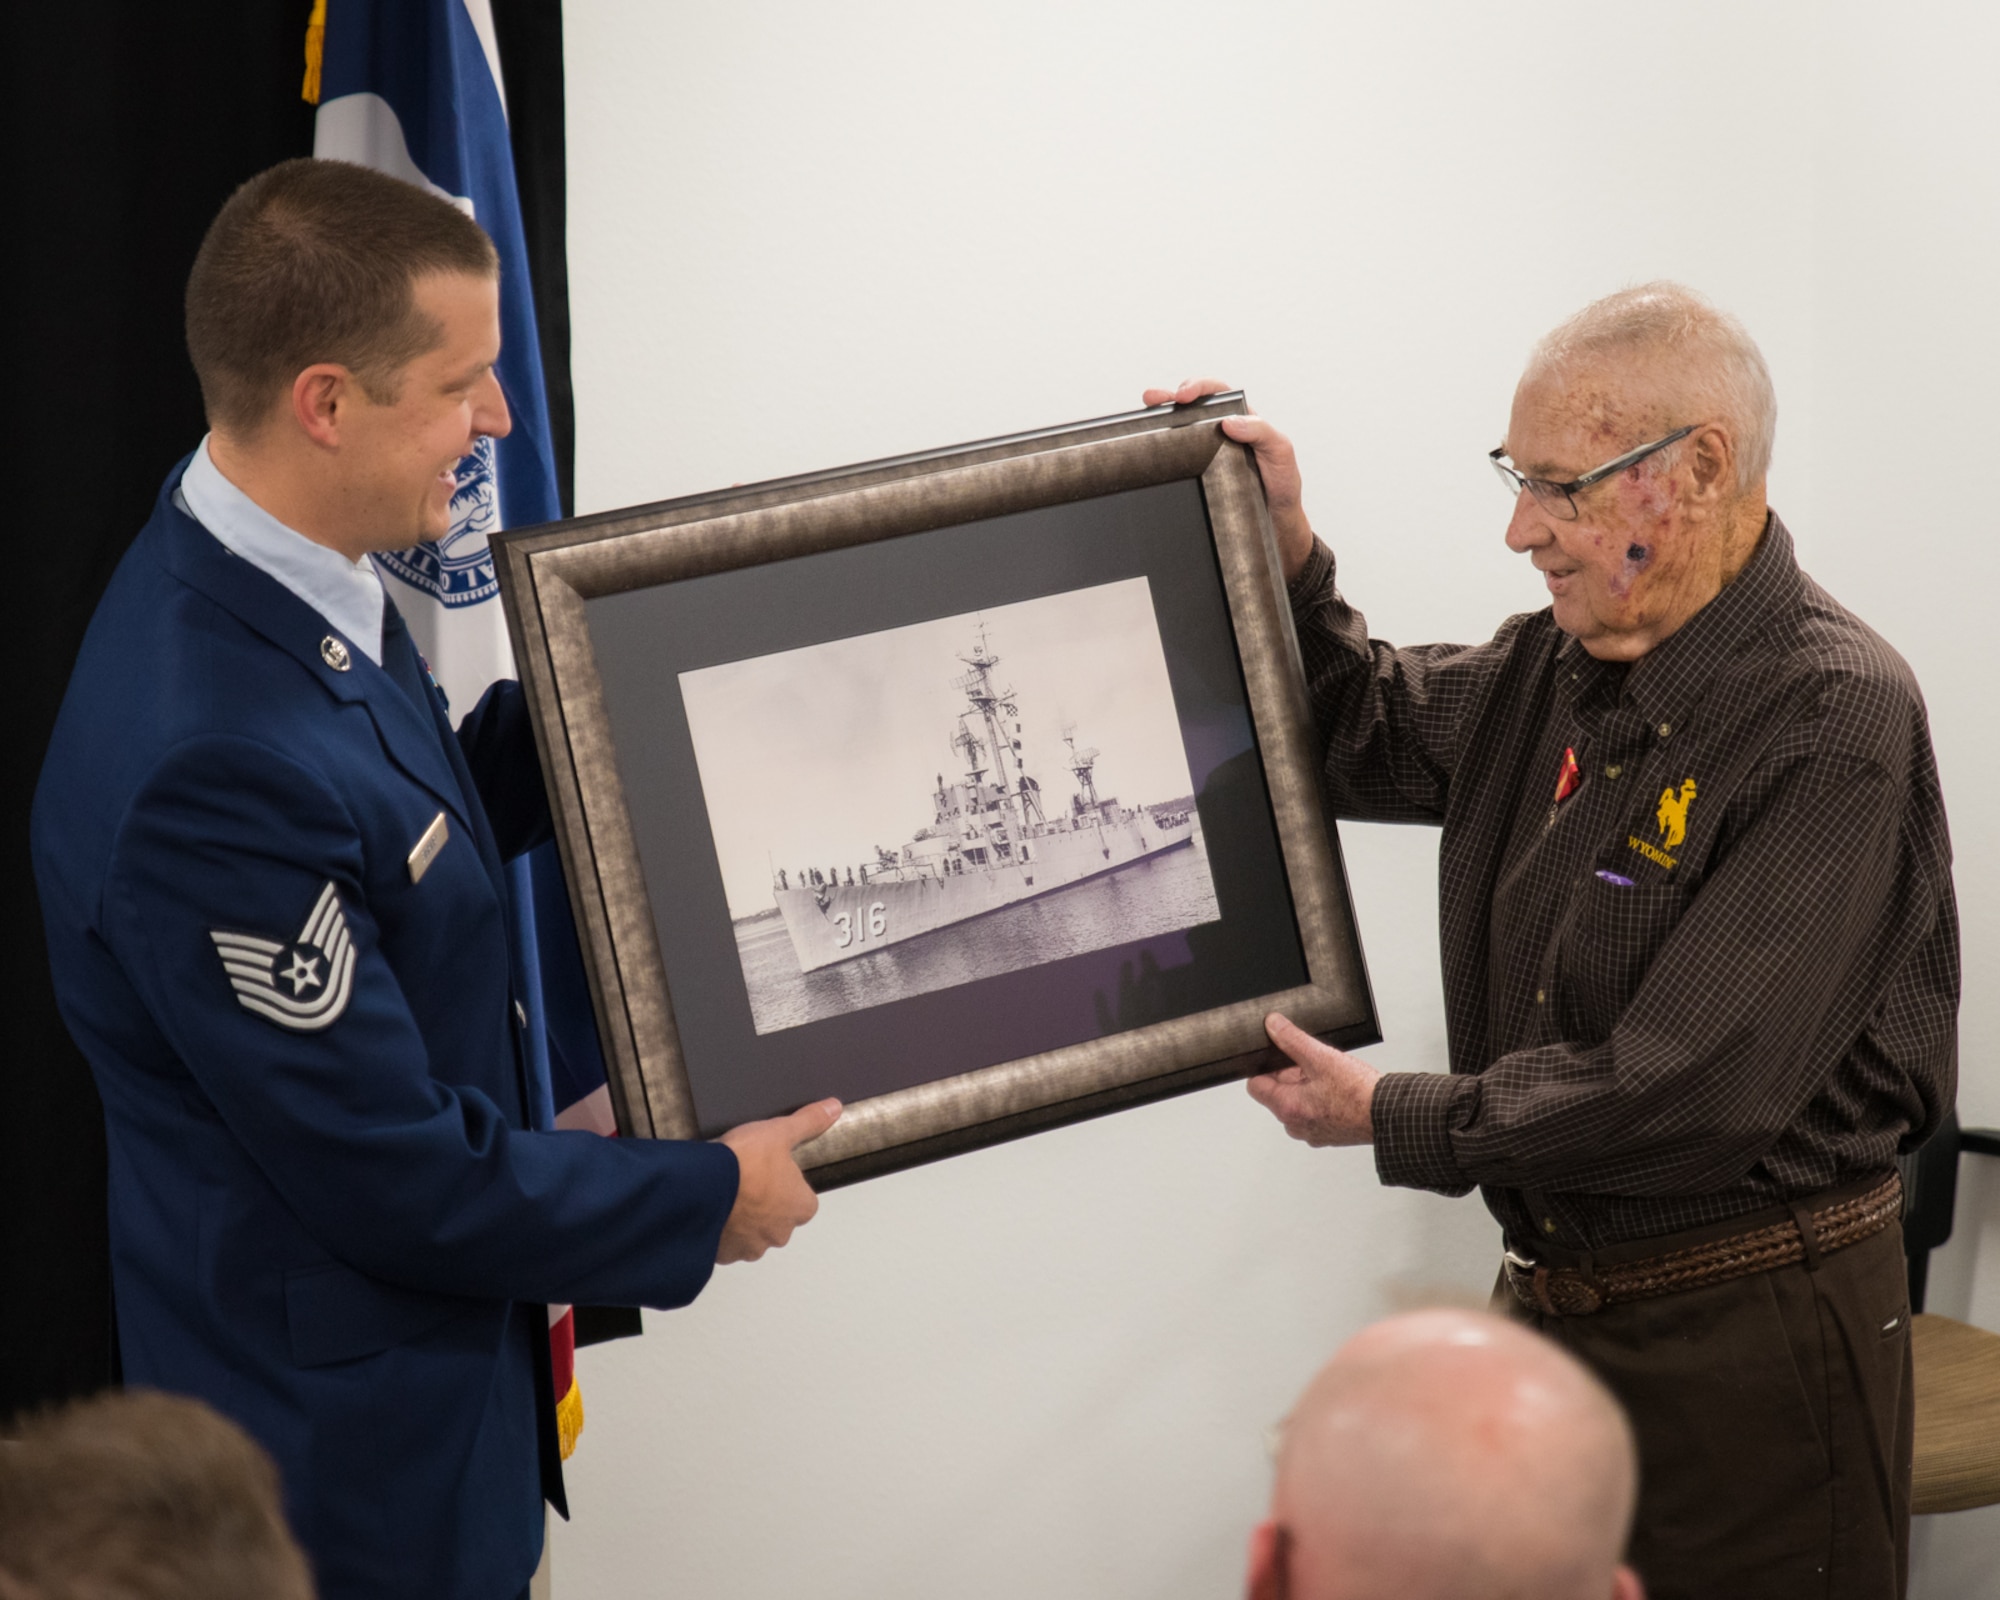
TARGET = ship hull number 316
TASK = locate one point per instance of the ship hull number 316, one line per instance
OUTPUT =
(853, 928)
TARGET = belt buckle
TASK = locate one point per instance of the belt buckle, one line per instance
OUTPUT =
(1553, 1291)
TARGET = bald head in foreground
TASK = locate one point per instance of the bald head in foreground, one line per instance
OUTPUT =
(1447, 1455)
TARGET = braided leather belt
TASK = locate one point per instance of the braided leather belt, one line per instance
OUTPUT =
(1577, 1291)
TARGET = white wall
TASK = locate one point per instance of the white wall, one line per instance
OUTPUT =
(803, 235)
(1898, 463)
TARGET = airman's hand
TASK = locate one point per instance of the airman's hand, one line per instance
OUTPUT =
(1277, 464)
(1325, 1097)
(772, 1195)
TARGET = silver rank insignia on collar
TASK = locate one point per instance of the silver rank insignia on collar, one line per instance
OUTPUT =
(302, 985)
(334, 654)
(435, 838)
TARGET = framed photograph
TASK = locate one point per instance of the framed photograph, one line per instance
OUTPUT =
(976, 788)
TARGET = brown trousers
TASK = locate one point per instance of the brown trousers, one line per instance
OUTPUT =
(1774, 1423)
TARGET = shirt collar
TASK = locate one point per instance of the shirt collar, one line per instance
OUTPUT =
(1664, 684)
(1585, 683)
(347, 593)
(1667, 681)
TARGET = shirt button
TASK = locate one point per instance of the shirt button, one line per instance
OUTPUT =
(1665, 729)
(1613, 770)
(1548, 1224)
(1540, 996)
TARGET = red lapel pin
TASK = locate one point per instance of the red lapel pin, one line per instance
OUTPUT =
(1570, 776)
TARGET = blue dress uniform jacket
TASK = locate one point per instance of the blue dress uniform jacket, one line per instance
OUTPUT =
(330, 1216)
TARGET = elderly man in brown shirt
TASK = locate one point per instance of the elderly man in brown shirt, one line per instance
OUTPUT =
(1700, 951)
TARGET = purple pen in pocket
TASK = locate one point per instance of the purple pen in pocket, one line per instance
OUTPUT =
(1613, 877)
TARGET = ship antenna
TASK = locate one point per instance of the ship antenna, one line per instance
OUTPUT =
(968, 742)
(1081, 763)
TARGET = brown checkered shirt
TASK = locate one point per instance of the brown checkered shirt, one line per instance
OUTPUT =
(1724, 971)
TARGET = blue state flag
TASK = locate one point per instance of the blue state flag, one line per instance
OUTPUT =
(413, 88)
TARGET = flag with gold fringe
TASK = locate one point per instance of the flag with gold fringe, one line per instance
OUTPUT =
(414, 88)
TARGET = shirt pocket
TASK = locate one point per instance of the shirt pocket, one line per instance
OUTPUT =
(1609, 943)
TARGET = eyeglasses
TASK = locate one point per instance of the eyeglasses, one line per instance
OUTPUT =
(1558, 499)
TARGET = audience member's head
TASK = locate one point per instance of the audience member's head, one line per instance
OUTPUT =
(1447, 1455)
(142, 1496)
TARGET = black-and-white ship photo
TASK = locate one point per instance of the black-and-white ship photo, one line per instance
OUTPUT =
(926, 806)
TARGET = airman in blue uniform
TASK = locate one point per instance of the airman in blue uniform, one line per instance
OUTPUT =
(271, 873)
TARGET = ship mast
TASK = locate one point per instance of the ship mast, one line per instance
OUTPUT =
(992, 704)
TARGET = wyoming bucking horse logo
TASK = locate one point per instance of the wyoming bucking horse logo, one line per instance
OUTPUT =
(1674, 813)
(1673, 819)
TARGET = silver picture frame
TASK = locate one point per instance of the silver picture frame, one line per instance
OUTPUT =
(552, 575)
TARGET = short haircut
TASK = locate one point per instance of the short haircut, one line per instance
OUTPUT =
(1724, 370)
(143, 1496)
(315, 261)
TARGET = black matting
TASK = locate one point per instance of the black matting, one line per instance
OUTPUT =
(644, 638)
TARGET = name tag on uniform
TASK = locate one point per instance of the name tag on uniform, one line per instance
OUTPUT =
(434, 839)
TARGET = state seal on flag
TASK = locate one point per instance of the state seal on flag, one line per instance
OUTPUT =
(458, 569)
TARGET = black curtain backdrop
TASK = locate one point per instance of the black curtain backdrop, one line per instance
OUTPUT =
(531, 61)
(125, 127)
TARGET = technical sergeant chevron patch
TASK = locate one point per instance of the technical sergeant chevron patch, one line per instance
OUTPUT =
(317, 969)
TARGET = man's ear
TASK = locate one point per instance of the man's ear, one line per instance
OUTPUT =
(1712, 456)
(1625, 1585)
(321, 395)
(1269, 1549)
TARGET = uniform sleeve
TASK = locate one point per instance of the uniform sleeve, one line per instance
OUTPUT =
(1739, 1021)
(393, 1162)
(1392, 721)
(498, 743)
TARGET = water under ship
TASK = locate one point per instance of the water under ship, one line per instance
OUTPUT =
(989, 844)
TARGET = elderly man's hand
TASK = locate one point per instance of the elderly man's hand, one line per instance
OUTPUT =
(1277, 464)
(1325, 1096)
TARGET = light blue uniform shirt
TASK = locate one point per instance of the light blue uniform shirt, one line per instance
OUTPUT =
(347, 593)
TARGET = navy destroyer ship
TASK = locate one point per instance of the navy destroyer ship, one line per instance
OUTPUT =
(990, 842)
